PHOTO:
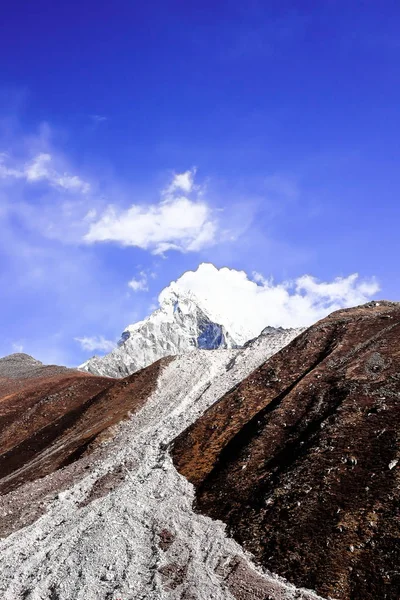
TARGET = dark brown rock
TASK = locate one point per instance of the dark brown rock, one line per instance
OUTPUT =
(300, 459)
(173, 575)
(166, 539)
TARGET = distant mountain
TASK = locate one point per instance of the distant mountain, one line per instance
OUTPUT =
(16, 371)
(23, 366)
(178, 326)
(181, 324)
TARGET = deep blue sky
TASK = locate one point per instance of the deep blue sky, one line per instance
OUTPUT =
(289, 111)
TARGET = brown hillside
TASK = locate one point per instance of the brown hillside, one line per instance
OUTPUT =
(300, 459)
(49, 416)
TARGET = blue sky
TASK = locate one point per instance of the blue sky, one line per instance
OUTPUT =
(261, 136)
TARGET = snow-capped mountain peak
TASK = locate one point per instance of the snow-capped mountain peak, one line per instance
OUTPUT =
(178, 326)
(239, 328)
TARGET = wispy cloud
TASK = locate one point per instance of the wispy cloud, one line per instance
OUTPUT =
(181, 182)
(183, 219)
(17, 347)
(139, 284)
(91, 344)
(40, 169)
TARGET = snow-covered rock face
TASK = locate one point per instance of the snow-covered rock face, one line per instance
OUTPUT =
(179, 326)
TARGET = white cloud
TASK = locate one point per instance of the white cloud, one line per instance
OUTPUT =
(347, 290)
(40, 169)
(139, 284)
(259, 278)
(245, 306)
(182, 181)
(175, 223)
(95, 343)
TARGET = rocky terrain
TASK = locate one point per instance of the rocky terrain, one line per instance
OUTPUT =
(55, 414)
(291, 443)
(301, 459)
(92, 507)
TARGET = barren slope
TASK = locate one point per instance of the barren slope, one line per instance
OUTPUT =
(301, 458)
(50, 415)
(118, 523)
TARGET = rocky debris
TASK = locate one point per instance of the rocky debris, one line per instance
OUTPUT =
(107, 483)
(245, 582)
(300, 459)
(102, 517)
(166, 539)
(173, 575)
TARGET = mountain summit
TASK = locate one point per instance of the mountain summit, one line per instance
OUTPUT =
(178, 326)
